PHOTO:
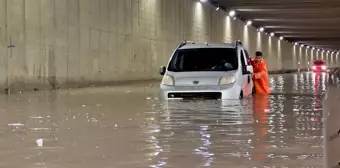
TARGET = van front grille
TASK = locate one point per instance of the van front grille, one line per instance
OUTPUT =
(196, 95)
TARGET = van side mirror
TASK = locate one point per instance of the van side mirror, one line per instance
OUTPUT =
(249, 70)
(162, 70)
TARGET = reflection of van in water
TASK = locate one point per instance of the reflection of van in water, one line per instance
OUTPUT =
(227, 112)
(211, 71)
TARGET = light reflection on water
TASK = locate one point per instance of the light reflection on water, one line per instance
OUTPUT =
(280, 130)
(129, 127)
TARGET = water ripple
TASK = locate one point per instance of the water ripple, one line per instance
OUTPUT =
(267, 131)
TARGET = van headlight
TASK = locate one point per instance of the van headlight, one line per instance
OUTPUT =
(168, 80)
(225, 80)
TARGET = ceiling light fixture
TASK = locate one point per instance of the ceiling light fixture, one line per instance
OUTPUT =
(261, 29)
(232, 13)
(281, 38)
(249, 23)
(272, 34)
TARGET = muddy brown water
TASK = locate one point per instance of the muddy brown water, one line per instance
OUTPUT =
(128, 127)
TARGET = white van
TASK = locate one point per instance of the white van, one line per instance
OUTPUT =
(207, 71)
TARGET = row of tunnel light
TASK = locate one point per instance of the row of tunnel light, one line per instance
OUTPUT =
(232, 13)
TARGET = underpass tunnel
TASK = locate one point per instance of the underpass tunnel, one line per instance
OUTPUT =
(82, 84)
(84, 43)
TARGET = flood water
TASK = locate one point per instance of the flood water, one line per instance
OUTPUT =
(128, 127)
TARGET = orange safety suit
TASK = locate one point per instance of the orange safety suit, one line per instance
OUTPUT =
(261, 79)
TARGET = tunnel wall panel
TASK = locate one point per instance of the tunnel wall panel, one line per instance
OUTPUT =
(61, 43)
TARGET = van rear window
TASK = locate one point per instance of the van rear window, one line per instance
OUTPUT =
(204, 59)
(319, 62)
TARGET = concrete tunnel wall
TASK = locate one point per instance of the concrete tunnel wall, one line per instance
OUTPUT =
(83, 42)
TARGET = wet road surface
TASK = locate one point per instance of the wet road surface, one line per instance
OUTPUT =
(128, 127)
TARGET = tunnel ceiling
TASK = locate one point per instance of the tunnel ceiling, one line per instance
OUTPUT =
(310, 22)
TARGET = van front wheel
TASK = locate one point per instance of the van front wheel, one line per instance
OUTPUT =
(241, 95)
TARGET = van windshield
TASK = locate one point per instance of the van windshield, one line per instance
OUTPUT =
(204, 59)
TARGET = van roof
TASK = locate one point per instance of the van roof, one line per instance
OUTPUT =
(208, 45)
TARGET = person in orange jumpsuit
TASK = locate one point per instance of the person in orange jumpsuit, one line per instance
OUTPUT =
(260, 76)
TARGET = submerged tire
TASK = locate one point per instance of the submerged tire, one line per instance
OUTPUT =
(241, 95)
(253, 90)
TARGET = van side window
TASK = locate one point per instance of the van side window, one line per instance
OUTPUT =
(244, 64)
(247, 57)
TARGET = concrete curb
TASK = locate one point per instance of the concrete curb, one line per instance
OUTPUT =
(286, 71)
(282, 72)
